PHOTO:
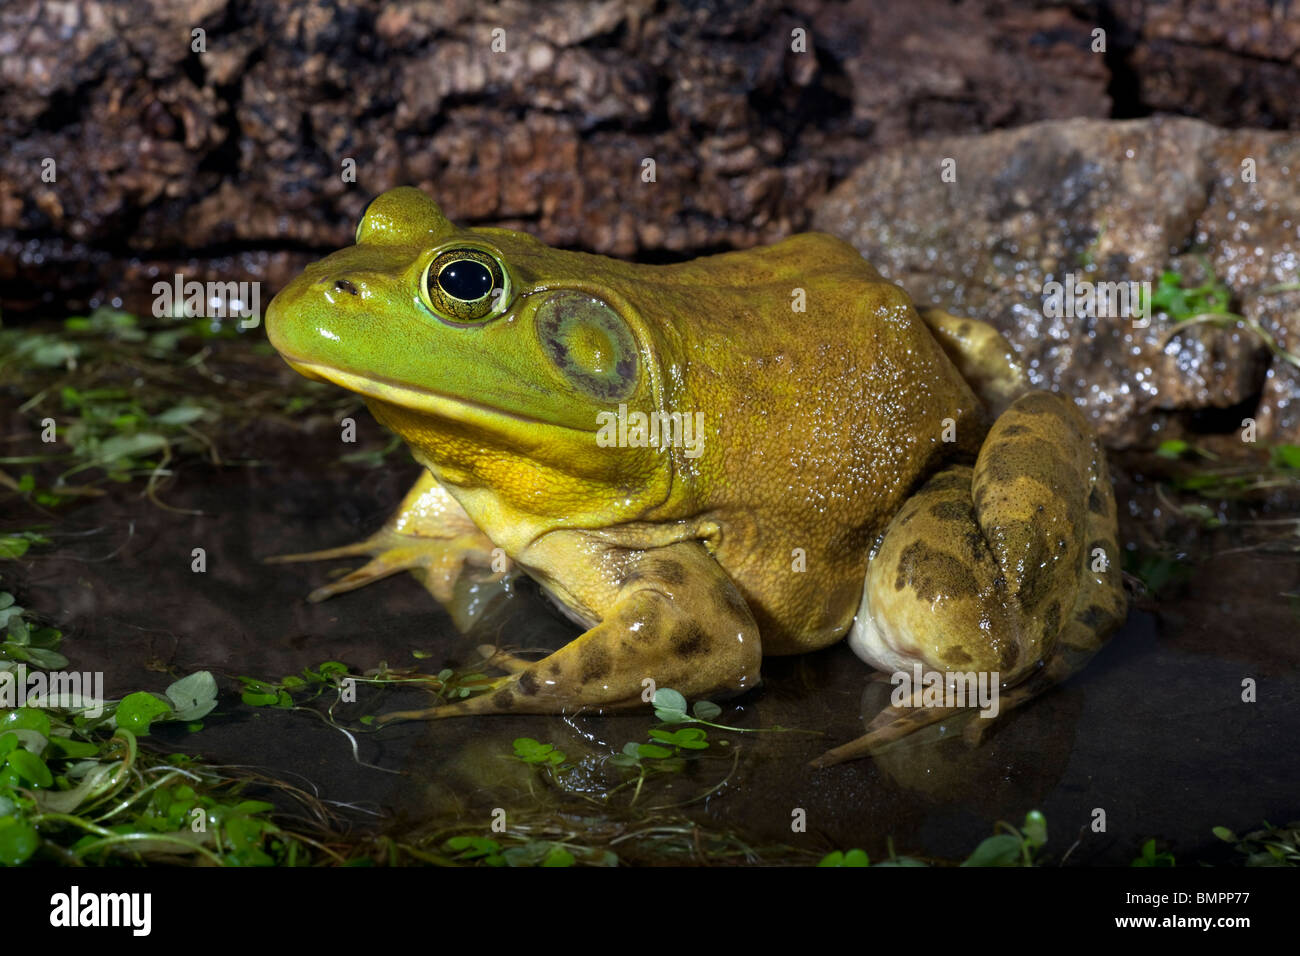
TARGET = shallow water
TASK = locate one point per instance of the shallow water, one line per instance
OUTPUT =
(1153, 732)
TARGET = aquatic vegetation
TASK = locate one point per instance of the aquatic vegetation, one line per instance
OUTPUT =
(72, 793)
(1207, 304)
(1149, 857)
(116, 397)
(1269, 846)
(1011, 846)
(25, 642)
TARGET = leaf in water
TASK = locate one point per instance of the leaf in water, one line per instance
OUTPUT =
(26, 718)
(128, 446)
(669, 699)
(13, 546)
(31, 768)
(18, 841)
(707, 710)
(180, 415)
(194, 696)
(137, 711)
(47, 659)
(1000, 850)
(67, 748)
(670, 706)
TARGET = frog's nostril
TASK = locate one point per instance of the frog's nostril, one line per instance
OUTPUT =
(343, 285)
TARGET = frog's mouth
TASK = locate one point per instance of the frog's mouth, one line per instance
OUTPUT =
(416, 398)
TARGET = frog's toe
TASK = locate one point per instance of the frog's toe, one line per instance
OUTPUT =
(495, 657)
(892, 723)
(437, 562)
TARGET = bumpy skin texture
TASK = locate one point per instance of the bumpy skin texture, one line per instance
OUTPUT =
(826, 402)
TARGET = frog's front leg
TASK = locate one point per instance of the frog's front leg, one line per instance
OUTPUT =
(1008, 570)
(429, 535)
(668, 614)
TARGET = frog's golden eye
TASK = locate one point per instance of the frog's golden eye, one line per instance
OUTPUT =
(466, 285)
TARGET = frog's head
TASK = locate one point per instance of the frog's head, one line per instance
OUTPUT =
(492, 354)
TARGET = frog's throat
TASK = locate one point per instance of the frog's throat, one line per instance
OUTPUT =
(418, 399)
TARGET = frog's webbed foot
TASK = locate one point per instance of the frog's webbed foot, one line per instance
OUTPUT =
(1007, 572)
(429, 535)
(676, 620)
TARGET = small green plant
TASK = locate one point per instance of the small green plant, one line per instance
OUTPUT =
(1208, 303)
(1181, 303)
(188, 700)
(25, 643)
(1148, 856)
(845, 858)
(1014, 847)
(529, 751)
(472, 849)
(15, 543)
(1270, 846)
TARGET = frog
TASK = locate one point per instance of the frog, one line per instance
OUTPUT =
(704, 463)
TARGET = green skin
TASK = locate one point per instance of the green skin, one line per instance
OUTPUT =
(844, 477)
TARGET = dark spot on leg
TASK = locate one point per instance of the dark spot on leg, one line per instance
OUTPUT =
(553, 668)
(963, 329)
(976, 545)
(527, 683)
(953, 479)
(956, 656)
(503, 699)
(729, 602)
(668, 571)
(952, 511)
(1052, 621)
(931, 573)
(1097, 502)
(1008, 655)
(690, 641)
(1094, 618)
(1037, 577)
(650, 615)
(1011, 430)
(595, 662)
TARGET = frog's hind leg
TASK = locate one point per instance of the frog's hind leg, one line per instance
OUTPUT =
(429, 535)
(675, 620)
(1005, 573)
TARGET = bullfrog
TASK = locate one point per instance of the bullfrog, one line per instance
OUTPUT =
(754, 453)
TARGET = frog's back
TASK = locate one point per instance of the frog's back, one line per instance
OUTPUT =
(825, 400)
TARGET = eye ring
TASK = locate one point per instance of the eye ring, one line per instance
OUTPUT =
(465, 284)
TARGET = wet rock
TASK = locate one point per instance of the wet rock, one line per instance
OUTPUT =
(1101, 201)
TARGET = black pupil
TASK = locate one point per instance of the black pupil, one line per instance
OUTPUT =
(466, 280)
